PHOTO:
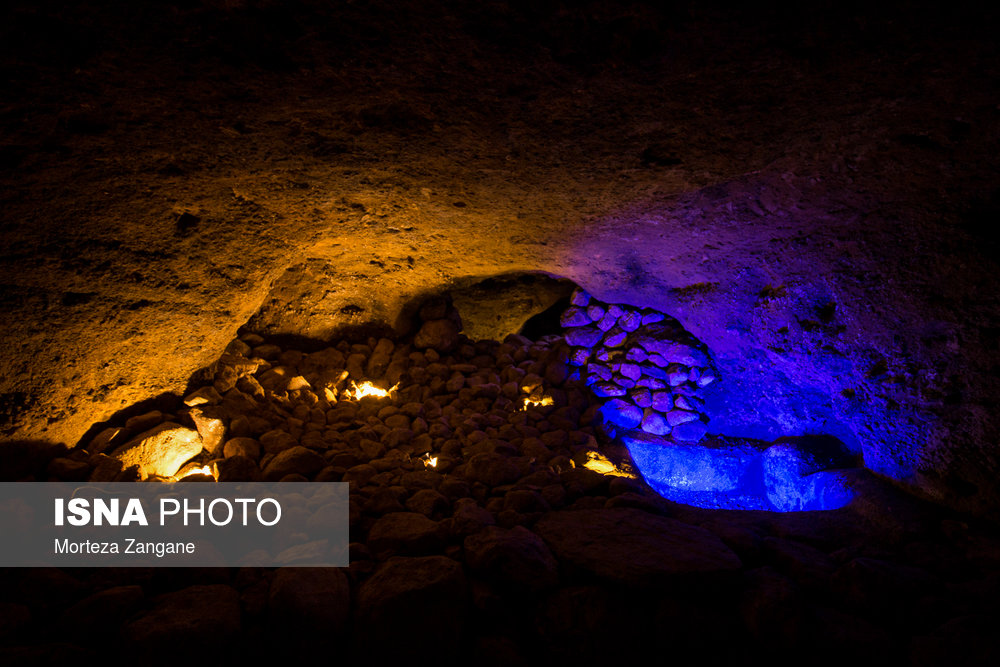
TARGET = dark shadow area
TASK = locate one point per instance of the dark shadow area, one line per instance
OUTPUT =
(546, 323)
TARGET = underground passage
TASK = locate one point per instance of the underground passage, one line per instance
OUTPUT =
(632, 331)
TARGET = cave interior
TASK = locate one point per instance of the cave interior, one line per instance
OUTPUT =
(632, 326)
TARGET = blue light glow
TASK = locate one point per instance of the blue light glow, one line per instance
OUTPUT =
(658, 384)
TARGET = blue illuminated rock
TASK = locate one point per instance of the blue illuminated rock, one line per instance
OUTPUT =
(676, 417)
(620, 413)
(684, 403)
(825, 490)
(716, 474)
(691, 431)
(595, 312)
(677, 374)
(652, 317)
(653, 422)
(584, 336)
(793, 471)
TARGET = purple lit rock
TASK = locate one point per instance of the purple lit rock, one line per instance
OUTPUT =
(683, 403)
(580, 298)
(607, 322)
(691, 431)
(658, 339)
(636, 354)
(584, 336)
(600, 370)
(675, 417)
(677, 376)
(615, 337)
(652, 317)
(707, 378)
(657, 360)
(578, 356)
(605, 389)
(623, 381)
(631, 371)
(630, 321)
(663, 401)
(654, 372)
(653, 422)
(651, 383)
(641, 397)
(575, 317)
(621, 413)
(595, 312)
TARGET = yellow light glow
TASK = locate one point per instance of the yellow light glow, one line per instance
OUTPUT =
(203, 470)
(544, 400)
(430, 461)
(366, 388)
(603, 465)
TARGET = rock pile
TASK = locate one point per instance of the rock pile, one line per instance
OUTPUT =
(478, 535)
(649, 368)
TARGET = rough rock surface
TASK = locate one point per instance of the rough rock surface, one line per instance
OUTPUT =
(631, 547)
(160, 451)
(203, 619)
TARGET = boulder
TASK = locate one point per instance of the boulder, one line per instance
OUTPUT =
(198, 620)
(295, 460)
(515, 558)
(161, 450)
(633, 547)
(412, 609)
(309, 602)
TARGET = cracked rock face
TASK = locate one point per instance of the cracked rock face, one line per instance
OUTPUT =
(812, 203)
